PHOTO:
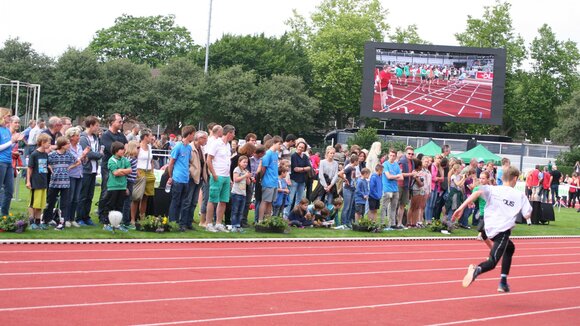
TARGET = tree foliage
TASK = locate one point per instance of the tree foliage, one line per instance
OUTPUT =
(409, 34)
(495, 30)
(180, 91)
(19, 61)
(151, 40)
(568, 122)
(78, 84)
(283, 106)
(537, 93)
(267, 56)
(334, 38)
(128, 90)
(231, 96)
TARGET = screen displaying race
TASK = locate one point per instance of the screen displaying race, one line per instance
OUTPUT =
(435, 83)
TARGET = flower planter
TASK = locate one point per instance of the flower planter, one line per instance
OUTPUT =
(359, 228)
(269, 229)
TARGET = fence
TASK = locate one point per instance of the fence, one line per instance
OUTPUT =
(522, 154)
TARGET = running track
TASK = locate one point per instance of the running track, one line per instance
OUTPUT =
(470, 100)
(315, 283)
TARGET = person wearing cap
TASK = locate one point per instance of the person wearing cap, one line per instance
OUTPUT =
(480, 166)
(172, 141)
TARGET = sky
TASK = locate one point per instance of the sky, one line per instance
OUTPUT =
(53, 26)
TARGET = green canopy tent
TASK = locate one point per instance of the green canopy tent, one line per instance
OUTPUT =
(429, 149)
(479, 152)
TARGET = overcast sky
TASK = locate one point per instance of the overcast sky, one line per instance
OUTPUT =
(53, 26)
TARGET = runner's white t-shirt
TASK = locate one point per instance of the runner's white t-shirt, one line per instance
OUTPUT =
(503, 203)
(221, 153)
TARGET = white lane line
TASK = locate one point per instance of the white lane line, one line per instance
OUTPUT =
(434, 105)
(255, 294)
(459, 113)
(381, 305)
(334, 263)
(247, 278)
(404, 97)
(389, 244)
(423, 112)
(425, 107)
(259, 256)
(531, 313)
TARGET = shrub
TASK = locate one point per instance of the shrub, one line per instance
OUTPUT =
(158, 224)
(365, 224)
(274, 224)
(365, 137)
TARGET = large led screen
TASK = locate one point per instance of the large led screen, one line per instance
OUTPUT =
(433, 83)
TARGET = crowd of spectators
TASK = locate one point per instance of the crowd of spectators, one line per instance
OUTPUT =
(228, 178)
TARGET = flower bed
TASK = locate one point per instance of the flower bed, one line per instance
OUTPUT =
(157, 224)
(273, 224)
(367, 225)
(13, 223)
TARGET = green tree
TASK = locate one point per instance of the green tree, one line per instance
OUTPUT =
(495, 30)
(334, 38)
(265, 55)
(410, 34)
(78, 84)
(180, 90)
(283, 106)
(568, 122)
(553, 79)
(364, 138)
(151, 40)
(230, 98)
(128, 90)
(19, 61)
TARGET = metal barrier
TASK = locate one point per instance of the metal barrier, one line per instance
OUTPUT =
(460, 145)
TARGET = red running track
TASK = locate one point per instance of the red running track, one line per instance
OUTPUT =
(338, 283)
(469, 100)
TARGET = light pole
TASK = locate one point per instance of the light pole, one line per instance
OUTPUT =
(208, 34)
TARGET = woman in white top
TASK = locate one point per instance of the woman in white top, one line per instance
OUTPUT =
(144, 170)
(328, 169)
(374, 156)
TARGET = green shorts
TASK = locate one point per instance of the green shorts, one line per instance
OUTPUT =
(219, 191)
(38, 198)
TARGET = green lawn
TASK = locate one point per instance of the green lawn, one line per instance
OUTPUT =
(567, 223)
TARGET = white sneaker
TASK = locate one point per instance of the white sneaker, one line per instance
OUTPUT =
(210, 228)
(75, 224)
(221, 228)
(67, 224)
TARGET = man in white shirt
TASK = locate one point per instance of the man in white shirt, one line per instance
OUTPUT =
(218, 165)
(503, 204)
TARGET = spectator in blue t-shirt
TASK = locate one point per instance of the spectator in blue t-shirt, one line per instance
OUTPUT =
(178, 170)
(270, 177)
(8, 137)
(391, 174)
(282, 195)
(375, 191)
(362, 194)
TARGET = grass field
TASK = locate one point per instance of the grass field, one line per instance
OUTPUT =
(567, 223)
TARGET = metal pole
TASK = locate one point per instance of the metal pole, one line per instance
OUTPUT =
(17, 96)
(35, 90)
(522, 152)
(208, 34)
(37, 102)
